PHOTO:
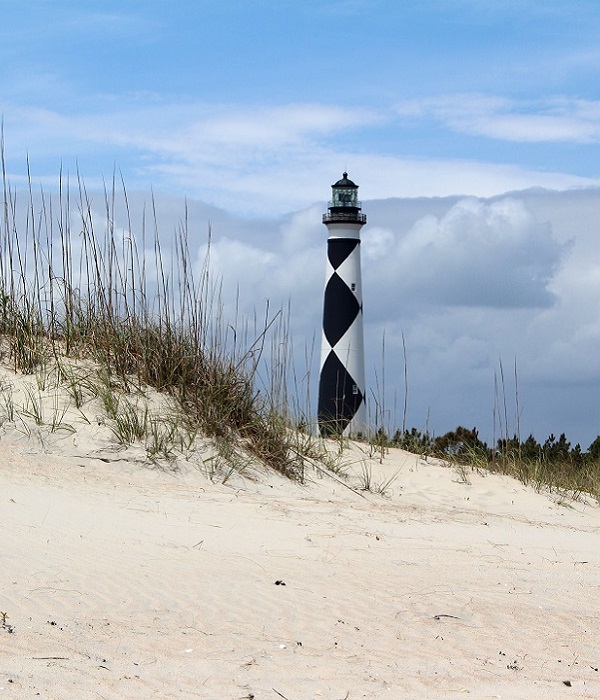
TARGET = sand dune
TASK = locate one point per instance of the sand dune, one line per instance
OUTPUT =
(121, 580)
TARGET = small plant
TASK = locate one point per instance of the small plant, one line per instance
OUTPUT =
(59, 411)
(162, 438)
(109, 391)
(78, 383)
(6, 396)
(313, 451)
(367, 483)
(33, 406)
(462, 474)
(130, 423)
(228, 460)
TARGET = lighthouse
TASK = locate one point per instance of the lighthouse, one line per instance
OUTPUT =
(342, 408)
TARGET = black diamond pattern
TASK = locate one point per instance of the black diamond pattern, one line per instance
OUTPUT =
(338, 249)
(338, 403)
(340, 309)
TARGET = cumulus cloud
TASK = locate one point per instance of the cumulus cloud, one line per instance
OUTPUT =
(282, 261)
(478, 254)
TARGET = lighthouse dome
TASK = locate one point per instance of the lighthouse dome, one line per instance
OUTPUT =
(345, 182)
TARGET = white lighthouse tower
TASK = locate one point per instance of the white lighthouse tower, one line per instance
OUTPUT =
(342, 408)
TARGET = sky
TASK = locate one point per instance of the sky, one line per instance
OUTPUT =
(471, 126)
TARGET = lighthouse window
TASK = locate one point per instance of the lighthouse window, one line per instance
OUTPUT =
(344, 198)
(353, 286)
(354, 389)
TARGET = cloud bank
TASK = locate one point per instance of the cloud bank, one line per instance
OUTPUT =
(468, 284)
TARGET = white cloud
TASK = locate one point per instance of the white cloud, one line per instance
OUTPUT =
(477, 255)
(559, 119)
(261, 161)
(273, 127)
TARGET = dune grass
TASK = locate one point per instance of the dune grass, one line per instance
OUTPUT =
(73, 286)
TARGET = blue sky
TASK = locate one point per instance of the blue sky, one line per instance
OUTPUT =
(256, 108)
(253, 104)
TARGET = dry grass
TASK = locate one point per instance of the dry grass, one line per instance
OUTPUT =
(79, 288)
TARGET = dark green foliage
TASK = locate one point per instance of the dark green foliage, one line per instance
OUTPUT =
(458, 443)
(555, 463)
(593, 452)
(557, 450)
(531, 449)
(413, 440)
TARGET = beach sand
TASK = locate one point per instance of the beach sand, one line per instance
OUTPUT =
(123, 580)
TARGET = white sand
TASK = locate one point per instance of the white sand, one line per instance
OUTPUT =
(123, 581)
